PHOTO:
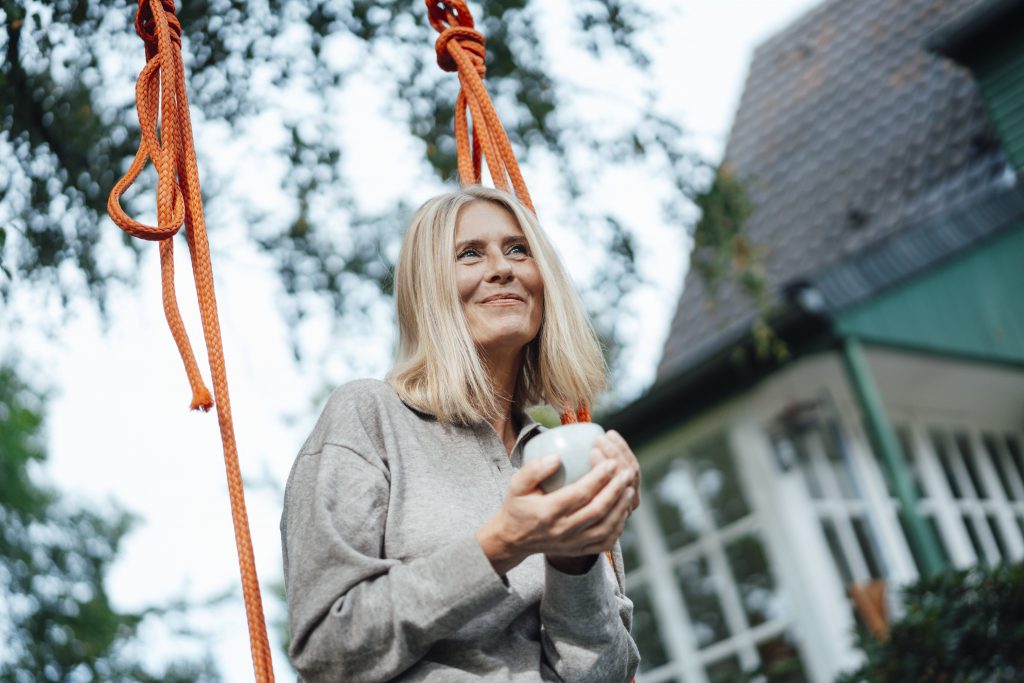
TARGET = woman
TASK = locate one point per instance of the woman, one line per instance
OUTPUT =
(415, 547)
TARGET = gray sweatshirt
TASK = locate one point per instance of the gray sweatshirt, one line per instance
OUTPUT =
(386, 581)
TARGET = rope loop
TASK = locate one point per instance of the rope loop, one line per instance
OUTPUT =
(445, 14)
(145, 25)
(470, 40)
(162, 102)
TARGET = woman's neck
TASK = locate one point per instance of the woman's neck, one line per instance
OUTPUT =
(504, 374)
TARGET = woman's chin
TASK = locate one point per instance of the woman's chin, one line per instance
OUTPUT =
(505, 344)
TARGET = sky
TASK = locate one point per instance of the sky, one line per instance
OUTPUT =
(119, 429)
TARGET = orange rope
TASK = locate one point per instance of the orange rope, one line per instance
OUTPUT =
(160, 91)
(460, 47)
(582, 414)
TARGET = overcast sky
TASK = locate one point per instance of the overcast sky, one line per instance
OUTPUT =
(118, 425)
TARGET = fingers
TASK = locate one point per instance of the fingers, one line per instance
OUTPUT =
(613, 447)
(597, 456)
(574, 496)
(599, 507)
(529, 477)
(603, 535)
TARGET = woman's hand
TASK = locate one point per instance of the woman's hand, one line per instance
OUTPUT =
(580, 519)
(611, 446)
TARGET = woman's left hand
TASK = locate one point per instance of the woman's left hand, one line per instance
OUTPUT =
(611, 446)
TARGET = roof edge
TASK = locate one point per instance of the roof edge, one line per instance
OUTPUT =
(974, 30)
(719, 374)
(805, 319)
(912, 250)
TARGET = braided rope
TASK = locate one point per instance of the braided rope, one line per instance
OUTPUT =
(160, 92)
(461, 48)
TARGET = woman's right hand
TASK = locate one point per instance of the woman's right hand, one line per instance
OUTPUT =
(579, 519)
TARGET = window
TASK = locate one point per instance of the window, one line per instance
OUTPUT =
(970, 480)
(713, 556)
(817, 450)
(808, 437)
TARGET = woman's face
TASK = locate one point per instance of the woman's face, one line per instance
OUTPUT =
(499, 283)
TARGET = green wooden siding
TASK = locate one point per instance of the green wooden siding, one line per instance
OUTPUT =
(1000, 77)
(971, 306)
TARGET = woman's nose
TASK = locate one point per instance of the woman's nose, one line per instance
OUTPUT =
(500, 267)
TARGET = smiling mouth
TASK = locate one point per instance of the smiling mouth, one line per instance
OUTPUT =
(503, 300)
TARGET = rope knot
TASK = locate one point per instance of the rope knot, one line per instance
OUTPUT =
(166, 130)
(470, 40)
(461, 48)
(145, 25)
(452, 19)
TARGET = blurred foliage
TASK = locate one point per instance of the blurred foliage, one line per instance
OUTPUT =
(960, 627)
(68, 130)
(720, 248)
(722, 253)
(56, 620)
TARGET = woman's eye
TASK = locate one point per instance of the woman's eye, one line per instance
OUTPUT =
(520, 248)
(468, 252)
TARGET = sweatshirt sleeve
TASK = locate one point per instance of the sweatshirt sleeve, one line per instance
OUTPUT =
(354, 615)
(585, 621)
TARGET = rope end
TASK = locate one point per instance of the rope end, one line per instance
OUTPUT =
(581, 414)
(201, 399)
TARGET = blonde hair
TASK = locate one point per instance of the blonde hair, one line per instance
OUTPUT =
(438, 368)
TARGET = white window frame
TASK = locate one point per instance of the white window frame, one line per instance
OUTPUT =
(787, 518)
(687, 659)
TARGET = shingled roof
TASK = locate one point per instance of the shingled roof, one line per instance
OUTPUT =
(849, 131)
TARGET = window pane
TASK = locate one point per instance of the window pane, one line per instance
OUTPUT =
(937, 535)
(725, 671)
(867, 544)
(947, 469)
(910, 455)
(970, 460)
(829, 527)
(680, 514)
(785, 451)
(702, 601)
(993, 454)
(810, 476)
(780, 661)
(838, 463)
(979, 550)
(761, 601)
(645, 629)
(716, 480)
(993, 526)
(1013, 446)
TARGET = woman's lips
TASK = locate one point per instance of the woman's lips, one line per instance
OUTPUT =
(502, 302)
(503, 299)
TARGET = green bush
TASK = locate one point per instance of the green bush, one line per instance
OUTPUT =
(959, 627)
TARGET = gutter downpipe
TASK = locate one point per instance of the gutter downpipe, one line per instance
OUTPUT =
(922, 540)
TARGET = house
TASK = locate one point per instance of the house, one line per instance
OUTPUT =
(786, 501)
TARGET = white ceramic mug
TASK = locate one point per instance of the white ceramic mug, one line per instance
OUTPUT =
(572, 443)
